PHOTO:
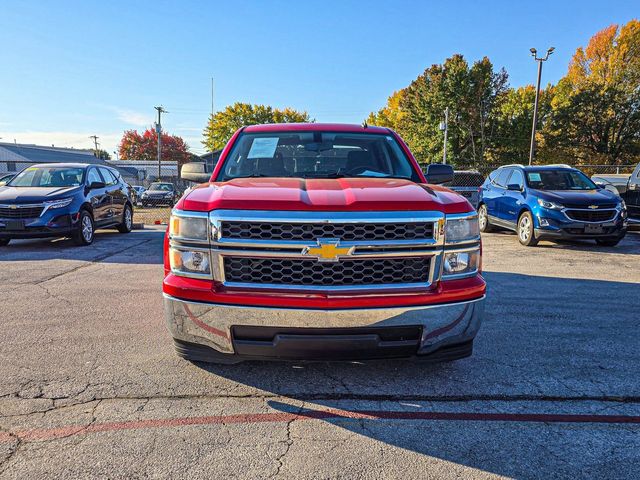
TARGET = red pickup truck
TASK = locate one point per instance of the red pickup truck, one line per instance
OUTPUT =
(322, 242)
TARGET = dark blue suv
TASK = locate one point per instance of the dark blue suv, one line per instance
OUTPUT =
(550, 202)
(62, 199)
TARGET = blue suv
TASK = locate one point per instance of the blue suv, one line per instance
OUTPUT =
(550, 202)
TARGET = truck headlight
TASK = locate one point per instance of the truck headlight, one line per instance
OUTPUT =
(461, 263)
(549, 205)
(459, 230)
(183, 226)
(188, 262)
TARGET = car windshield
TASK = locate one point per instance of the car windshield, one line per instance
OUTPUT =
(166, 187)
(559, 180)
(49, 177)
(317, 155)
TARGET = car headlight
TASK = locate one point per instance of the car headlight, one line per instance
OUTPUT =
(622, 205)
(189, 262)
(58, 203)
(458, 230)
(168, 194)
(144, 195)
(461, 263)
(186, 227)
(549, 205)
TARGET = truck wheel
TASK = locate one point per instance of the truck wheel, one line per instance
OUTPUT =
(86, 230)
(483, 220)
(127, 220)
(608, 242)
(526, 231)
(4, 242)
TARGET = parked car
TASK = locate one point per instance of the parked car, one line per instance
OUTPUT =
(467, 183)
(137, 192)
(628, 187)
(297, 248)
(550, 202)
(64, 199)
(4, 179)
(159, 194)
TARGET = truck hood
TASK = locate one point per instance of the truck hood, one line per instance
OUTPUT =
(342, 194)
(9, 195)
(584, 197)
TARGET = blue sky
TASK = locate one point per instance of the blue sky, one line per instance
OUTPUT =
(71, 69)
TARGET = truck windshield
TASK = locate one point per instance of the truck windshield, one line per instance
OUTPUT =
(317, 155)
(559, 180)
(48, 177)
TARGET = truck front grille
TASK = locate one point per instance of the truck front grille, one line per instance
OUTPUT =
(311, 273)
(348, 232)
(591, 215)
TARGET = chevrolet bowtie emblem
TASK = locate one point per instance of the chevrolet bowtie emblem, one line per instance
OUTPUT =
(593, 207)
(13, 207)
(328, 250)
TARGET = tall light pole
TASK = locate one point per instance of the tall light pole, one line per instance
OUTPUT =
(444, 126)
(534, 54)
(160, 110)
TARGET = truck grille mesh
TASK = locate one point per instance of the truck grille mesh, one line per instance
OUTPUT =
(313, 231)
(591, 215)
(308, 272)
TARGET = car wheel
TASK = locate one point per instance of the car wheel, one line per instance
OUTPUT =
(483, 219)
(127, 220)
(86, 230)
(526, 231)
(608, 242)
(4, 242)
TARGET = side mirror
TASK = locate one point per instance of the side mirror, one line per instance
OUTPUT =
(514, 187)
(439, 173)
(195, 172)
(96, 185)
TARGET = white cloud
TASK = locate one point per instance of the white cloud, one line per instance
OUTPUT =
(134, 118)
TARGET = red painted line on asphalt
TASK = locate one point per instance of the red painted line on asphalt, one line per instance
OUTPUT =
(67, 431)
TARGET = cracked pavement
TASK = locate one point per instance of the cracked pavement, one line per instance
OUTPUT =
(90, 385)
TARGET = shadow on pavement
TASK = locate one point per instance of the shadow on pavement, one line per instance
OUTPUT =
(545, 339)
(109, 246)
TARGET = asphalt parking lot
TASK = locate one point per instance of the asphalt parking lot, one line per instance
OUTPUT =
(90, 385)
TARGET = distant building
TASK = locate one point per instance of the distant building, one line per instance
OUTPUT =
(211, 159)
(16, 156)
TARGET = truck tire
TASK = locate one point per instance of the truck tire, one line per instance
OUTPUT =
(483, 219)
(526, 231)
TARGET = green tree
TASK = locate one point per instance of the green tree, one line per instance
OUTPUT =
(102, 154)
(472, 94)
(222, 125)
(596, 108)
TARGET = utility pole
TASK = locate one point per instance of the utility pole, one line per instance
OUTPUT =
(95, 142)
(160, 110)
(445, 127)
(534, 54)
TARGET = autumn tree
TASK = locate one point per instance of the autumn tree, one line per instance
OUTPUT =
(472, 95)
(136, 146)
(223, 124)
(596, 108)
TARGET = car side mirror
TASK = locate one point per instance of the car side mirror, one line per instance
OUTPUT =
(96, 185)
(514, 187)
(195, 172)
(437, 173)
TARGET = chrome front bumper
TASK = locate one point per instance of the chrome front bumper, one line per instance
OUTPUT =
(211, 324)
